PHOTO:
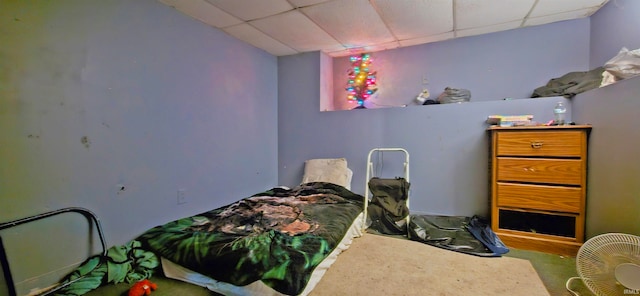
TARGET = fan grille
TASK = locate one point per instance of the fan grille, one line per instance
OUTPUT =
(598, 257)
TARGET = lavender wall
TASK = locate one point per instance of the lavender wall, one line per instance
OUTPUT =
(614, 191)
(304, 132)
(96, 95)
(448, 143)
(508, 64)
(613, 27)
(135, 94)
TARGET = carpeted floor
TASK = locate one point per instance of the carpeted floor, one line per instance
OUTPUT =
(434, 272)
(384, 265)
(554, 271)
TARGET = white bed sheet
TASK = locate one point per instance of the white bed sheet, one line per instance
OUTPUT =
(178, 272)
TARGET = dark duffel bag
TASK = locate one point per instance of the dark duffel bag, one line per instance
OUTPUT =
(388, 209)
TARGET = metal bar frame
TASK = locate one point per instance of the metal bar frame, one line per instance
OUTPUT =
(6, 225)
(370, 174)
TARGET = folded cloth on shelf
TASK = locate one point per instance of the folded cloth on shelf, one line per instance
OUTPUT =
(570, 84)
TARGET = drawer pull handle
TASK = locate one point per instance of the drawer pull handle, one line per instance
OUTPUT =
(529, 169)
(536, 145)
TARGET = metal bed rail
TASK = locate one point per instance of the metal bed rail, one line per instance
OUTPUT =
(6, 270)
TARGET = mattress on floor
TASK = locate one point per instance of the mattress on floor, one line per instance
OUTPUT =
(175, 271)
(278, 237)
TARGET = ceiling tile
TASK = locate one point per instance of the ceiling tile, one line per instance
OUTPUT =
(382, 46)
(297, 31)
(354, 23)
(346, 52)
(340, 53)
(558, 17)
(203, 11)
(428, 39)
(345, 27)
(303, 3)
(252, 9)
(258, 39)
(488, 29)
(475, 13)
(407, 19)
(548, 7)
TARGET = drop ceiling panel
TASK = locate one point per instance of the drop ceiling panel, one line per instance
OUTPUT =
(297, 31)
(549, 7)
(354, 23)
(342, 27)
(406, 19)
(558, 17)
(341, 53)
(252, 9)
(475, 13)
(251, 35)
(303, 3)
(205, 12)
(428, 39)
(488, 29)
(382, 46)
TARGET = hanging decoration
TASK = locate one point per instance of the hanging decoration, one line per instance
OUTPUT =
(362, 81)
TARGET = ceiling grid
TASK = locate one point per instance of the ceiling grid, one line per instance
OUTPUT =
(344, 27)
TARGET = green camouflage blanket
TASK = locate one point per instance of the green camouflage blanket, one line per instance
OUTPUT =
(127, 263)
(277, 237)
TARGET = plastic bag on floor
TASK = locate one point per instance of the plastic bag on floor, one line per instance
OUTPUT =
(469, 235)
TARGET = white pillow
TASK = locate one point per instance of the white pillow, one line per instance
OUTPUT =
(349, 176)
(332, 170)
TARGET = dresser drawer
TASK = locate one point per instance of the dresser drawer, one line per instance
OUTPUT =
(540, 170)
(540, 197)
(540, 143)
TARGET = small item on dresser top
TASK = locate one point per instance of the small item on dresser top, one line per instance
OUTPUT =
(558, 113)
(553, 123)
(510, 120)
(517, 123)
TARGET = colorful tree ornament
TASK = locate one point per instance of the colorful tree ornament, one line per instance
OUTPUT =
(362, 82)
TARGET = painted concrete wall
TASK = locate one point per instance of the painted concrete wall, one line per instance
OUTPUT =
(304, 132)
(613, 199)
(613, 196)
(614, 26)
(448, 144)
(96, 97)
(510, 64)
(115, 106)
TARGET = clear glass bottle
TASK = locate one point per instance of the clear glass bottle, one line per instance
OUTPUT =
(559, 111)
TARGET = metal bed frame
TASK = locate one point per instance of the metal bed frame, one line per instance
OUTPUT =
(3, 255)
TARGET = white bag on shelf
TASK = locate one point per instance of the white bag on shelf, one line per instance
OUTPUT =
(625, 64)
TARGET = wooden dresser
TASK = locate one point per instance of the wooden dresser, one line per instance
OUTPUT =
(538, 186)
